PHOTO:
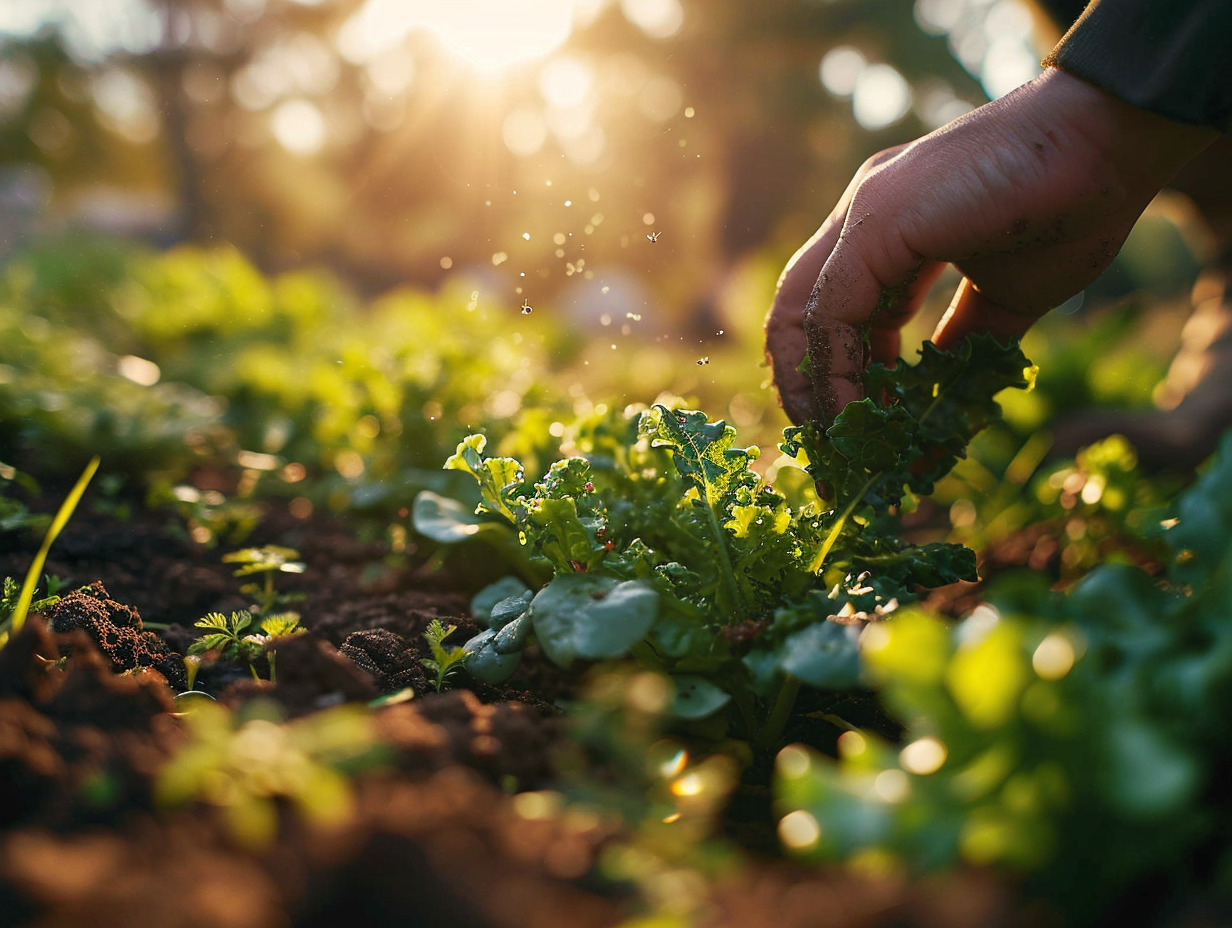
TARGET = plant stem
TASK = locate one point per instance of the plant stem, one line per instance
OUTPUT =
(784, 702)
(828, 544)
(824, 551)
(727, 576)
(748, 715)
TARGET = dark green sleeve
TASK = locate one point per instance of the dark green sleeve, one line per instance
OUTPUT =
(1173, 57)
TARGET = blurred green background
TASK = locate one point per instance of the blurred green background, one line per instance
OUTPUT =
(531, 144)
(329, 206)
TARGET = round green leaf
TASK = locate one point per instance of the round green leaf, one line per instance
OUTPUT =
(591, 617)
(697, 697)
(825, 655)
(443, 519)
(1146, 775)
(507, 610)
(512, 637)
(485, 664)
(483, 602)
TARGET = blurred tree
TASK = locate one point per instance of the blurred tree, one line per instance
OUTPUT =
(358, 134)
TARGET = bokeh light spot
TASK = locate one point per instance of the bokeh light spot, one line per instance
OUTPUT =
(840, 69)
(881, 97)
(1054, 657)
(923, 756)
(566, 82)
(799, 830)
(298, 126)
(659, 19)
(524, 131)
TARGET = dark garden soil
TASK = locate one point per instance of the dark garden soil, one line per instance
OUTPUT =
(436, 836)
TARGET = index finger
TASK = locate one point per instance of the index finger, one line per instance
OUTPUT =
(796, 293)
(856, 311)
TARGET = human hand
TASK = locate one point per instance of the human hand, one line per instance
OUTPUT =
(1030, 197)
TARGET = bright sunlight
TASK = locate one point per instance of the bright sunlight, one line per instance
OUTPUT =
(489, 35)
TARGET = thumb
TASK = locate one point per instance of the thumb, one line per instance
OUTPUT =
(971, 312)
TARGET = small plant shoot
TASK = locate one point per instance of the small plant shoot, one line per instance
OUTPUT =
(250, 634)
(445, 659)
(267, 561)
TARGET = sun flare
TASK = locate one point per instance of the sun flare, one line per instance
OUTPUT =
(489, 35)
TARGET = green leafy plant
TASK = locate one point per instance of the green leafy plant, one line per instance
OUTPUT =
(247, 764)
(1050, 729)
(210, 517)
(228, 636)
(445, 659)
(1079, 513)
(250, 634)
(241, 637)
(267, 561)
(11, 593)
(667, 546)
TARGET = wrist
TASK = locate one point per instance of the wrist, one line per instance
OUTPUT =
(1142, 149)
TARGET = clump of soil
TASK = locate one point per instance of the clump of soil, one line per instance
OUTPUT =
(117, 631)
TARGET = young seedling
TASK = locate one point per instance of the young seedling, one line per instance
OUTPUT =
(9, 597)
(444, 660)
(248, 764)
(267, 560)
(241, 637)
(274, 627)
(228, 635)
(11, 593)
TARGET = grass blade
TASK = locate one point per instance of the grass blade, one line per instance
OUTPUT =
(57, 525)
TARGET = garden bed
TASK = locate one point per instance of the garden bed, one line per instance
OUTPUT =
(440, 831)
(600, 669)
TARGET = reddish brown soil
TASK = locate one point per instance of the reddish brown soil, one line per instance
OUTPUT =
(435, 838)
